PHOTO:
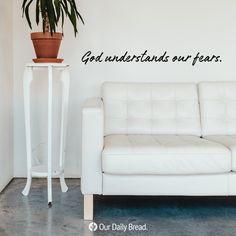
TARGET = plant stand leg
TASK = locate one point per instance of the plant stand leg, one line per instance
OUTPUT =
(49, 135)
(64, 187)
(26, 190)
(65, 80)
(88, 207)
(28, 77)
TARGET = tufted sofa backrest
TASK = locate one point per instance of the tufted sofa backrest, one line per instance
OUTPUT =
(151, 108)
(218, 108)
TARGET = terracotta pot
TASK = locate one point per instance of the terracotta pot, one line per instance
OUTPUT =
(46, 46)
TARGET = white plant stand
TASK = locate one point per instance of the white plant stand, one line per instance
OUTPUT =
(46, 170)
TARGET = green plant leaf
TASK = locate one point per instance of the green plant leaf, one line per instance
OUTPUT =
(37, 12)
(51, 11)
(66, 5)
(82, 20)
(58, 9)
(74, 6)
(27, 13)
(43, 12)
(62, 20)
(64, 8)
(72, 17)
(23, 5)
(43, 8)
(77, 13)
(51, 16)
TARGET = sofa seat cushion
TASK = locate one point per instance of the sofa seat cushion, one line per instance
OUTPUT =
(163, 154)
(229, 141)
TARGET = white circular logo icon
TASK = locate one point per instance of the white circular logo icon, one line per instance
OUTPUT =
(93, 226)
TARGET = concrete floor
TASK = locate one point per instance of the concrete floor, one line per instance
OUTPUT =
(163, 216)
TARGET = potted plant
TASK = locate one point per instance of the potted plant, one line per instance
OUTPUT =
(52, 13)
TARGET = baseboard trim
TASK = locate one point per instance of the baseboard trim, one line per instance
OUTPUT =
(6, 185)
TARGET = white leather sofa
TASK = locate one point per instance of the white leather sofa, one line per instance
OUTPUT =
(159, 139)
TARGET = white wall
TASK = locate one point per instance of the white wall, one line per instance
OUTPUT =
(6, 79)
(180, 27)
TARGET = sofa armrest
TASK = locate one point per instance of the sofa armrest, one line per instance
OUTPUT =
(92, 146)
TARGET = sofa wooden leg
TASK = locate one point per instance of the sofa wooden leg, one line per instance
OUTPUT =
(88, 207)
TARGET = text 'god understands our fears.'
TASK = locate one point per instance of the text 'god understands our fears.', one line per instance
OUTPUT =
(146, 57)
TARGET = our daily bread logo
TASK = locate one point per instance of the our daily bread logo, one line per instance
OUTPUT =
(117, 227)
(93, 226)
